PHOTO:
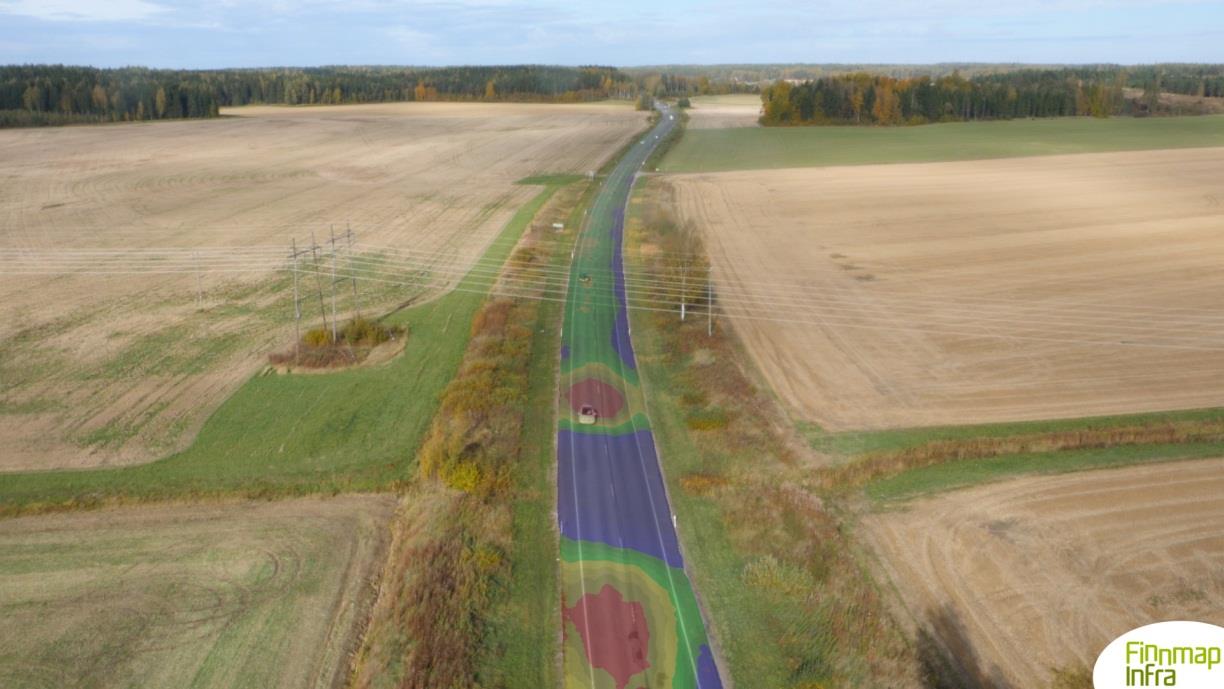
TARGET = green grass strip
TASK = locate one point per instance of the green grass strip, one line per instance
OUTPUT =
(965, 473)
(849, 443)
(756, 148)
(557, 180)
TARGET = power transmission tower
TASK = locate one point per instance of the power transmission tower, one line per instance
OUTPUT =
(297, 302)
(314, 257)
(332, 229)
(348, 233)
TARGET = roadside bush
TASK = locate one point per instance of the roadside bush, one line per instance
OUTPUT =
(475, 436)
(428, 625)
(442, 618)
(710, 419)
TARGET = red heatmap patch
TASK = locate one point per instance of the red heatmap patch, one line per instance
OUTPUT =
(614, 633)
(604, 398)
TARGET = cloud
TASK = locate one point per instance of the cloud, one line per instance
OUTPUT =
(418, 45)
(83, 10)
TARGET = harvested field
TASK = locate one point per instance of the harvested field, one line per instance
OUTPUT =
(104, 370)
(720, 112)
(223, 595)
(1019, 577)
(967, 292)
(1183, 102)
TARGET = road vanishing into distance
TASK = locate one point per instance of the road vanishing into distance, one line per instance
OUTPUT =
(630, 617)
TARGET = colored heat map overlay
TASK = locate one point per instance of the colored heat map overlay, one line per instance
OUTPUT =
(614, 633)
(678, 652)
(630, 617)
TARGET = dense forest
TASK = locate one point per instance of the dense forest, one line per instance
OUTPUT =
(739, 77)
(1185, 79)
(864, 98)
(333, 85)
(793, 94)
(56, 94)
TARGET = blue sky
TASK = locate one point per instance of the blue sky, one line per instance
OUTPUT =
(247, 33)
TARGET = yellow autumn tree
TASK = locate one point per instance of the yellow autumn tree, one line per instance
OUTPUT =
(777, 103)
(887, 107)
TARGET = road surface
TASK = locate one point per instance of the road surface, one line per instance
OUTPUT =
(630, 617)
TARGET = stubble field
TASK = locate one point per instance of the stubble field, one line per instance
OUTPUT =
(223, 595)
(1020, 577)
(722, 112)
(113, 369)
(965, 292)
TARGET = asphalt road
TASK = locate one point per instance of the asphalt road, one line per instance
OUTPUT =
(631, 619)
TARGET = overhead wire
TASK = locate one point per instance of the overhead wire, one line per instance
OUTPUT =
(654, 293)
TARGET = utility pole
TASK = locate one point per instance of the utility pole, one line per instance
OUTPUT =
(332, 229)
(314, 257)
(683, 289)
(297, 303)
(710, 300)
(348, 232)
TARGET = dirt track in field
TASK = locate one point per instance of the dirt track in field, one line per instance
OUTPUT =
(1021, 576)
(721, 112)
(952, 293)
(119, 369)
(239, 594)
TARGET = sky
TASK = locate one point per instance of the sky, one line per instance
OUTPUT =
(253, 33)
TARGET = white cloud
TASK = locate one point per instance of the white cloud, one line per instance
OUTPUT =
(83, 10)
(417, 45)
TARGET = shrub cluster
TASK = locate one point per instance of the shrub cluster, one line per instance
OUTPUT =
(351, 345)
(448, 571)
(429, 623)
(475, 436)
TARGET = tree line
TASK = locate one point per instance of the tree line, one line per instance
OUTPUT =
(58, 94)
(792, 94)
(864, 98)
(334, 85)
(1182, 78)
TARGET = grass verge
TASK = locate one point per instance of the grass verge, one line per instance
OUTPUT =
(963, 473)
(354, 430)
(756, 148)
(470, 595)
(790, 602)
(904, 463)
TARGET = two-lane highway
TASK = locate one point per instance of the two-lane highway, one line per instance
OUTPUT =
(630, 617)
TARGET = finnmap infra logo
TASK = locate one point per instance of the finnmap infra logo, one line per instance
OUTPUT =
(1165, 654)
